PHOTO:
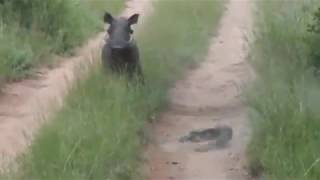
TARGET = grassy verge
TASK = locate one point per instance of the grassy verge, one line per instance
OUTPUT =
(31, 30)
(96, 134)
(285, 98)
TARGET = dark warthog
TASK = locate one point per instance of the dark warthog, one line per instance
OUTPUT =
(121, 53)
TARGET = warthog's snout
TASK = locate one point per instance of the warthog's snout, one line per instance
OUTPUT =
(119, 46)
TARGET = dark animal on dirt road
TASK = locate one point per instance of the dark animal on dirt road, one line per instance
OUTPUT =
(217, 137)
(120, 53)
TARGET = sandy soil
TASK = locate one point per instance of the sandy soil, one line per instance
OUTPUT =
(25, 105)
(209, 96)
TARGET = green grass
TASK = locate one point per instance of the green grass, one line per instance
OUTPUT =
(101, 6)
(285, 98)
(32, 30)
(97, 135)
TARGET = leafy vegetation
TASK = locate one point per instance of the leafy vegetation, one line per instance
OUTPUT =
(31, 30)
(96, 134)
(285, 98)
(314, 28)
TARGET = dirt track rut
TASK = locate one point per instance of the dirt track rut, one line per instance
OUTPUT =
(208, 97)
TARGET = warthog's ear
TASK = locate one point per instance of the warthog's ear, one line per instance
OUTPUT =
(108, 18)
(133, 19)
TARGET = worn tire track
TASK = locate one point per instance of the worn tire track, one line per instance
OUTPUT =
(209, 96)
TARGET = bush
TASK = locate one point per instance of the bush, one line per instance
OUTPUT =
(314, 28)
(65, 23)
(30, 30)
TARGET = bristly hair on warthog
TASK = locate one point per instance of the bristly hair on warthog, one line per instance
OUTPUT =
(120, 53)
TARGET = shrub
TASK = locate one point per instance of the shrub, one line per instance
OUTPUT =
(30, 30)
(314, 28)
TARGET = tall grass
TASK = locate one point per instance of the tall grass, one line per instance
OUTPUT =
(96, 134)
(285, 98)
(31, 30)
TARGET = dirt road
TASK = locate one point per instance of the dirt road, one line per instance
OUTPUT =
(24, 105)
(208, 97)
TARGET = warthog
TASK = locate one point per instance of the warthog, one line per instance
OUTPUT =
(120, 52)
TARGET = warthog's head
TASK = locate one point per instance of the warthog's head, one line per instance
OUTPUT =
(120, 30)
